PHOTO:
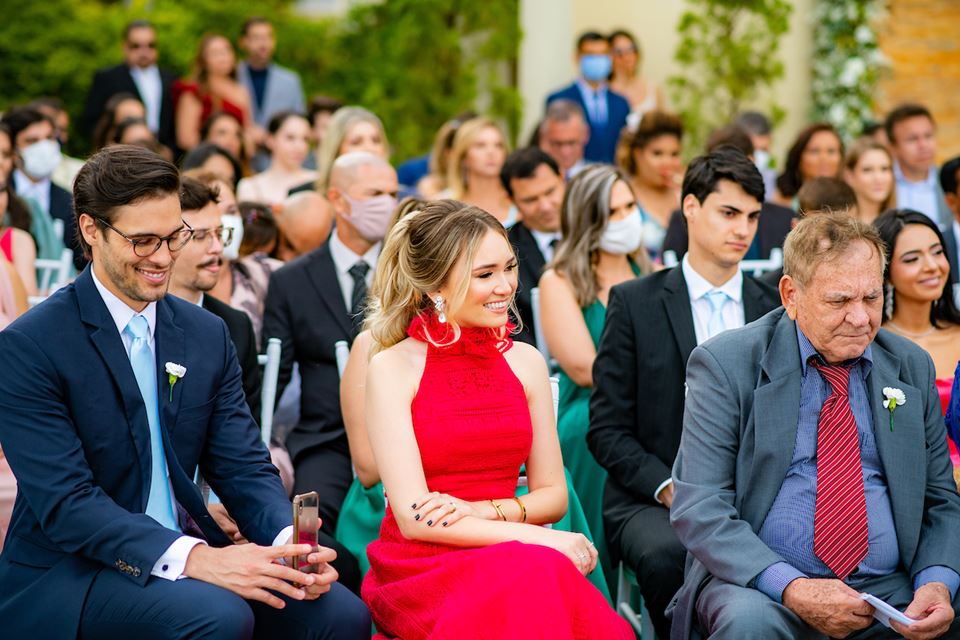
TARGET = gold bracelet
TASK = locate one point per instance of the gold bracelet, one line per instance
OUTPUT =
(523, 510)
(496, 506)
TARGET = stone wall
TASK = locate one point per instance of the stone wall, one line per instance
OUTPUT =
(920, 39)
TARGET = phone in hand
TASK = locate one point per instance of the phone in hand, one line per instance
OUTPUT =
(306, 523)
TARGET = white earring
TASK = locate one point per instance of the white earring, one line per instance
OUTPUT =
(888, 301)
(438, 305)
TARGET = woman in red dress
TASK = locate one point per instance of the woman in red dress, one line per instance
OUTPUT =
(454, 408)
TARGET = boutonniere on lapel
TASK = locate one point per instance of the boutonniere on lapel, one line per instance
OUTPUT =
(894, 398)
(176, 371)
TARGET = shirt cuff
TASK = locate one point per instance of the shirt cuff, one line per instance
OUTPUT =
(663, 485)
(938, 573)
(773, 580)
(284, 537)
(171, 564)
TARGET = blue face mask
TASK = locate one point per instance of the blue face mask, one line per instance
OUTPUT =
(595, 67)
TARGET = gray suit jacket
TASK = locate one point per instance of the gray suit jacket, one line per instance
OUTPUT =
(739, 427)
(283, 92)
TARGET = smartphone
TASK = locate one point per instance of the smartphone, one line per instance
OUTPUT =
(306, 522)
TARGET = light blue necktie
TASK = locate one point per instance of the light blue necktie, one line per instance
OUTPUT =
(160, 500)
(716, 298)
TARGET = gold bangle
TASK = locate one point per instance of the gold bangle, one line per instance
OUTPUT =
(523, 510)
(496, 506)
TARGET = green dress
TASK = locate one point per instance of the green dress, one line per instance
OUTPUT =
(573, 419)
(363, 510)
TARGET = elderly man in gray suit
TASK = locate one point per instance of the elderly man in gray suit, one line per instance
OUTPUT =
(799, 485)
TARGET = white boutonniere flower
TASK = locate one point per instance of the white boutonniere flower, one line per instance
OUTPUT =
(893, 399)
(174, 372)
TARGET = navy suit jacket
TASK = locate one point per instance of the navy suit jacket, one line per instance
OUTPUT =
(74, 429)
(952, 246)
(603, 137)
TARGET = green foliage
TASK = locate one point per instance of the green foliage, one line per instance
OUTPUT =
(727, 51)
(416, 63)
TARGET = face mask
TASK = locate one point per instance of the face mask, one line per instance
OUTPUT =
(761, 158)
(623, 236)
(595, 67)
(371, 217)
(232, 221)
(41, 158)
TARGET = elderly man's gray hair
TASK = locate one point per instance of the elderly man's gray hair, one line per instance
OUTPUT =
(824, 237)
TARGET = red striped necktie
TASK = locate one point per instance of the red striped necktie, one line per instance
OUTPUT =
(840, 536)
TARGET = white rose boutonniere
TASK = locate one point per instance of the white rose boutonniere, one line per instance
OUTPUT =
(174, 372)
(893, 399)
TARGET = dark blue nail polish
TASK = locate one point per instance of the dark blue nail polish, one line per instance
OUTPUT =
(429, 523)
(413, 506)
(444, 524)
(416, 517)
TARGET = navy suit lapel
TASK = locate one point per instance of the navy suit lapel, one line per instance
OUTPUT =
(323, 275)
(106, 340)
(676, 300)
(169, 340)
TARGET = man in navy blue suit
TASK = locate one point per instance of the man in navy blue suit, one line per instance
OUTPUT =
(606, 111)
(114, 395)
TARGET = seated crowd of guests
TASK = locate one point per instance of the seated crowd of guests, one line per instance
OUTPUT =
(636, 261)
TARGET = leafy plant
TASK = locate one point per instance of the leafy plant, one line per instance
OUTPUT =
(727, 52)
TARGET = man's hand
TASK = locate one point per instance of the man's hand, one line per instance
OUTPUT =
(666, 495)
(252, 571)
(226, 523)
(932, 610)
(829, 606)
(325, 576)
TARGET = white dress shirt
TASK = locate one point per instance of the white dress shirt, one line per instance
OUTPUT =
(699, 287)
(344, 258)
(544, 242)
(595, 101)
(151, 92)
(171, 564)
(27, 188)
(921, 196)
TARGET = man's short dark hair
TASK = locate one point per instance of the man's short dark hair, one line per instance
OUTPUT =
(523, 163)
(251, 22)
(136, 24)
(589, 36)
(904, 112)
(195, 195)
(732, 135)
(724, 163)
(754, 123)
(322, 104)
(948, 175)
(47, 102)
(117, 176)
(19, 118)
(826, 195)
(199, 155)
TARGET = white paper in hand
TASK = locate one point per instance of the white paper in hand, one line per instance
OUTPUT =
(884, 612)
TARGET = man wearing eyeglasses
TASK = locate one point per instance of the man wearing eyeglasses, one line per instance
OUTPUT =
(139, 75)
(114, 395)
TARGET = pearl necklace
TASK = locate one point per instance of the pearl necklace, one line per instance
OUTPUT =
(910, 334)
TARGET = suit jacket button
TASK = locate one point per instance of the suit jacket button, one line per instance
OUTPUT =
(136, 572)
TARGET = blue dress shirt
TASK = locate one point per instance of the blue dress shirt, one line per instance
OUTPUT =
(788, 527)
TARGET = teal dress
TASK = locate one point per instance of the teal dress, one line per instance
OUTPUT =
(573, 419)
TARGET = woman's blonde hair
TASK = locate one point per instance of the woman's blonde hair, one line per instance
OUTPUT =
(857, 151)
(420, 255)
(583, 217)
(339, 126)
(462, 141)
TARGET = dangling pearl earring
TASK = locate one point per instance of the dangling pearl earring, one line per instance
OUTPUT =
(888, 303)
(438, 305)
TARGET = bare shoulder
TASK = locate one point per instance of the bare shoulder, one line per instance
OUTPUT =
(554, 281)
(527, 363)
(399, 367)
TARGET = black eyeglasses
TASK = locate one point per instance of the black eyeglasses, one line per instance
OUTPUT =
(147, 245)
(224, 234)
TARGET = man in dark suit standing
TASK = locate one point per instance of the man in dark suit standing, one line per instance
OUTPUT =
(653, 323)
(317, 300)
(606, 111)
(949, 173)
(121, 394)
(535, 186)
(139, 75)
(37, 155)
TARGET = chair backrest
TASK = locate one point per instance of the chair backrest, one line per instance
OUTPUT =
(268, 389)
(669, 258)
(537, 325)
(57, 225)
(53, 274)
(758, 267)
(342, 352)
(555, 392)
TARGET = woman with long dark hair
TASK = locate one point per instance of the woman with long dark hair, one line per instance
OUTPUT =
(817, 152)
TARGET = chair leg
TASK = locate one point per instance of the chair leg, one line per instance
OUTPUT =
(625, 605)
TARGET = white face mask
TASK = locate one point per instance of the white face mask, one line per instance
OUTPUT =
(623, 236)
(41, 158)
(235, 222)
(761, 158)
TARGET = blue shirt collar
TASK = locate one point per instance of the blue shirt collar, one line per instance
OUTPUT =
(807, 350)
(931, 180)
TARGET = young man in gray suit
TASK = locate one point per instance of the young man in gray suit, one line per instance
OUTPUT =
(798, 485)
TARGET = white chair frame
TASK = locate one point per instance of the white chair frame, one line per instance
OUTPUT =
(270, 361)
(51, 275)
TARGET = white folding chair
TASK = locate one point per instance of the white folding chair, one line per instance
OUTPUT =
(537, 326)
(51, 275)
(268, 389)
(57, 225)
(555, 392)
(758, 267)
(640, 621)
(670, 259)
